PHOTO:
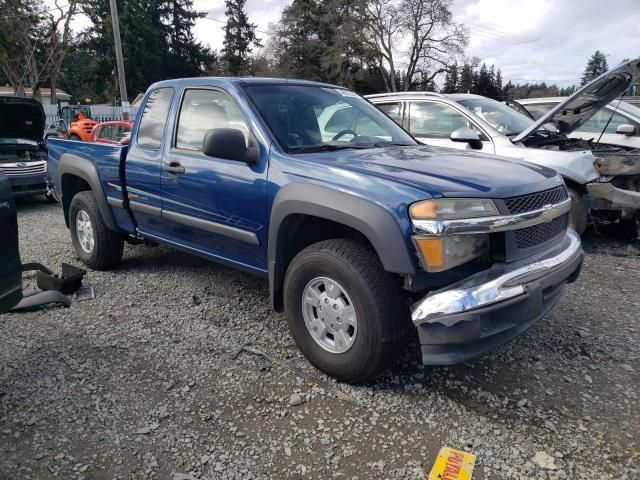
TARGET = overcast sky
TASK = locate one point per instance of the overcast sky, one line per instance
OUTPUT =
(541, 40)
(529, 40)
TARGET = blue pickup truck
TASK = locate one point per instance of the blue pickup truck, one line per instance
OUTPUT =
(365, 236)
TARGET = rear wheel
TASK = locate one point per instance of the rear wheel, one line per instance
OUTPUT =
(344, 311)
(579, 214)
(98, 247)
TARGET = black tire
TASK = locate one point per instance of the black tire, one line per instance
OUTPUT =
(382, 314)
(108, 245)
(579, 214)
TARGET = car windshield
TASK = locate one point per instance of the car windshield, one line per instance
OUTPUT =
(500, 116)
(314, 118)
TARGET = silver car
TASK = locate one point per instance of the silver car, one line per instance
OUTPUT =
(620, 121)
(602, 178)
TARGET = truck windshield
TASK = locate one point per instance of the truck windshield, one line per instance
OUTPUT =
(313, 118)
(500, 116)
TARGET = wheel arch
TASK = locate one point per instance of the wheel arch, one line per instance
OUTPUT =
(303, 214)
(77, 174)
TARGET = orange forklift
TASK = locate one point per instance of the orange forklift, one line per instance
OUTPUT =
(77, 121)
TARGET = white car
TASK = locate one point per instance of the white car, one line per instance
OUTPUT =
(602, 178)
(619, 120)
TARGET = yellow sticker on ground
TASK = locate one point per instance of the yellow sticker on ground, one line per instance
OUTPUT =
(453, 465)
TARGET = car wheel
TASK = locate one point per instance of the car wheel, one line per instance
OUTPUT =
(97, 247)
(579, 213)
(345, 313)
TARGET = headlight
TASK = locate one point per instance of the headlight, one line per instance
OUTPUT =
(452, 208)
(441, 253)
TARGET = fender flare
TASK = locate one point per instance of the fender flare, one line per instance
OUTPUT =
(85, 169)
(376, 223)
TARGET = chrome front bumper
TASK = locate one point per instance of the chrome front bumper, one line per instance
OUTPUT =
(496, 285)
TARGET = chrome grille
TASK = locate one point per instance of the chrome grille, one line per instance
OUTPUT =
(538, 234)
(535, 201)
(23, 168)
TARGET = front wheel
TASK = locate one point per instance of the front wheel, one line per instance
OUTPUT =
(345, 313)
(97, 247)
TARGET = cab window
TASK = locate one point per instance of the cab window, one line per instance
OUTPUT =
(394, 110)
(204, 110)
(154, 118)
(435, 120)
(598, 122)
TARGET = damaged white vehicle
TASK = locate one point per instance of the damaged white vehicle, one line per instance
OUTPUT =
(602, 179)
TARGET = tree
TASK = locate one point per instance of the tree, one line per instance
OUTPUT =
(466, 79)
(498, 86)
(59, 26)
(239, 38)
(157, 43)
(321, 40)
(433, 39)
(451, 79)
(596, 66)
(21, 43)
(187, 57)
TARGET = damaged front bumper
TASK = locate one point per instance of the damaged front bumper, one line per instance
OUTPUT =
(605, 196)
(494, 306)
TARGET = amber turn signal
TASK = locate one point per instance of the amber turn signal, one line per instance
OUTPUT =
(432, 252)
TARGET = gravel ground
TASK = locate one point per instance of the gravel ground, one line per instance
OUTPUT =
(145, 381)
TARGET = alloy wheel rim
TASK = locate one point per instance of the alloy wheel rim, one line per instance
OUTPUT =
(84, 231)
(329, 315)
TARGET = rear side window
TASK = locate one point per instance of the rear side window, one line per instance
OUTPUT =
(154, 118)
(391, 109)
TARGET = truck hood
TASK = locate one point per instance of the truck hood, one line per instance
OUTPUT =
(575, 110)
(21, 118)
(443, 171)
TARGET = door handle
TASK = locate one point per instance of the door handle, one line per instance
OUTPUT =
(174, 168)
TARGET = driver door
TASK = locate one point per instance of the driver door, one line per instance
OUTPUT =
(433, 122)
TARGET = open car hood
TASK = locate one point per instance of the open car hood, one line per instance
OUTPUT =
(21, 118)
(574, 111)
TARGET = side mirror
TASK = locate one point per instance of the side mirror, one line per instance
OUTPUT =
(466, 135)
(228, 143)
(626, 129)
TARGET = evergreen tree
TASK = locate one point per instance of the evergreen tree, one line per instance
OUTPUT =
(596, 66)
(498, 86)
(187, 57)
(157, 43)
(482, 82)
(239, 39)
(466, 79)
(451, 80)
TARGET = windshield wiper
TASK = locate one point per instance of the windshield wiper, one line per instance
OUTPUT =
(324, 148)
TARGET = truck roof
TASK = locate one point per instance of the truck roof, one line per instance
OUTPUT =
(238, 81)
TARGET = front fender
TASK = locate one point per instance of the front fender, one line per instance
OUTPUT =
(376, 223)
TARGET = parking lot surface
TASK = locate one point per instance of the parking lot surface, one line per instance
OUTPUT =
(148, 380)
